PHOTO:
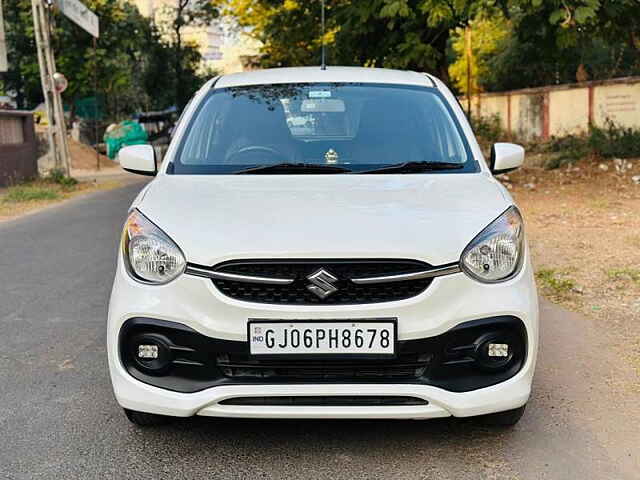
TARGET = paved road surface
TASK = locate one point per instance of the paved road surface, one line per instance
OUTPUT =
(58, 418)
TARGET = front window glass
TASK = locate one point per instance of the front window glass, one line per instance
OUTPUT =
(357, 127)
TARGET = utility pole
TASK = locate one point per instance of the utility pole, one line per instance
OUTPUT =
(3, 45)
(95, 93)
(57, 131)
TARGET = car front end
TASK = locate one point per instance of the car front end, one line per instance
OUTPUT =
(323, 296)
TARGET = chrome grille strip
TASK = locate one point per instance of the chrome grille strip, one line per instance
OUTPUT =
(431, 273)
(201, 272)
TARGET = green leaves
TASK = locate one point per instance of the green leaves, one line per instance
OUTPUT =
(544, 43)
(395, 8)
(557, 16)
(584, 13)
(131, 60)
(410, 34)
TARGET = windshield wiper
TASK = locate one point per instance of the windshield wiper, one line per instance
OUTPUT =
(415, 167)
(311, 168)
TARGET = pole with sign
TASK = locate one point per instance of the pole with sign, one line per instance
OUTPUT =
(54, 83)
(57, 131)
(81, 16)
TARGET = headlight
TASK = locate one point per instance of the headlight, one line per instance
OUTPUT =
(149, 254)
(496, 253)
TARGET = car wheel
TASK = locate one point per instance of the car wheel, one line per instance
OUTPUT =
(144, 419)
(507, 418)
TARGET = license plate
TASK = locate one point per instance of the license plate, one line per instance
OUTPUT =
(300, 337)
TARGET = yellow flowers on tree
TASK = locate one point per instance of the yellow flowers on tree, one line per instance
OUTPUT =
(487, 37)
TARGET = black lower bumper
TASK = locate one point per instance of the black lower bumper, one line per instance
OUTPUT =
(456, 360)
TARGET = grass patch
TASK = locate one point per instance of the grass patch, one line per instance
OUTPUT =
(629, 274)
(25, 197)
(50, 188)
(58, 176)
(30, 193)
(634, 240)
(554, 282)
(601, 203)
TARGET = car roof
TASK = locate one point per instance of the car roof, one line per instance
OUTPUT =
(328, 75)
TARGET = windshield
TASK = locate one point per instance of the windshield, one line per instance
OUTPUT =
(299, 128)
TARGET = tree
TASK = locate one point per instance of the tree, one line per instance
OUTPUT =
(547, 42)
(22, 78)
(488, 35)
(407, 34)
(129, 63)
(551, 41)
(173, 20)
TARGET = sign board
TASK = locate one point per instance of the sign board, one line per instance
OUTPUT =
(81, 15)
(3, 44)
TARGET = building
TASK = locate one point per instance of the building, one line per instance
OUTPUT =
(209, 38)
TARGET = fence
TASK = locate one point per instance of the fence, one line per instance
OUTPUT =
(18, 151)
(539, 113)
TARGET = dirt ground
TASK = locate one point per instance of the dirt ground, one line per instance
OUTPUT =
(583, 227)
(83, 157)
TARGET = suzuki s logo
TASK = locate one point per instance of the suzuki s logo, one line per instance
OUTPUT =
(322, 283)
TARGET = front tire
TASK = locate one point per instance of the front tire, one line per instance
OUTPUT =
(143, 419)
(507, 418)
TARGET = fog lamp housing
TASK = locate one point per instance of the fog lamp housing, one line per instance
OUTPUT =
(151, 352)
(495, 350)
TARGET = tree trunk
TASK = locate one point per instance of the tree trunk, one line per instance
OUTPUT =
(442, 66)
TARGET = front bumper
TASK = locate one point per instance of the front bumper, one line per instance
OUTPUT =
(448, 302)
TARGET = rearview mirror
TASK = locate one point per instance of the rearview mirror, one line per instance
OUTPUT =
(505, 157)
(140, 159)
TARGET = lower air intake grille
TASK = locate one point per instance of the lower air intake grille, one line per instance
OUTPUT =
(333, 401)
(408, 366)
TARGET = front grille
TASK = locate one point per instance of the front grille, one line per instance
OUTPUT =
(405, 366)
(331, 401)
(297, 293)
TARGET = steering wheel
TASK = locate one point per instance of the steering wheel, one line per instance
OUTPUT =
(253, 149)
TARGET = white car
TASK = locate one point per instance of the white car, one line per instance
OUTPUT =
(323, 244)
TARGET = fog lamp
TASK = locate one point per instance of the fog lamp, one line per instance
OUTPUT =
(147, 352)
(498, 350)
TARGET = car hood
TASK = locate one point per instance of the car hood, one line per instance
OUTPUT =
(430, 217)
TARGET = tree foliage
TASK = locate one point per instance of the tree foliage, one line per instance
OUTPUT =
(130, 65)
(22, 77)
(563, 42)
(487, 35)
(407, 34)
(516, 43)
(172, 21)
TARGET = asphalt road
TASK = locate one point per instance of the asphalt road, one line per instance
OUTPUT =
(58, 417)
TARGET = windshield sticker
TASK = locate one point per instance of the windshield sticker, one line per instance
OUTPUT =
(319, 94)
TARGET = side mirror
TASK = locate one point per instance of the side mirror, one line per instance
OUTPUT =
(505, 157)
(140, 159)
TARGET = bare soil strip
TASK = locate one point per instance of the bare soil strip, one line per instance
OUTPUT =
(583, 226)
